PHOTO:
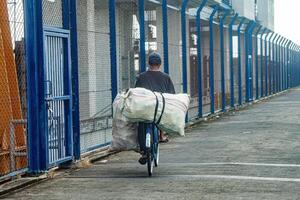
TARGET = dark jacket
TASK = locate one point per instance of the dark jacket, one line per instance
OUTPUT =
(156, 81)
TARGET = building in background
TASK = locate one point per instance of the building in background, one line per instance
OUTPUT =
(265, 13)
(260, 10)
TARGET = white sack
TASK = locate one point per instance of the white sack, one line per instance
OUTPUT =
(124, 133)
(139, 105)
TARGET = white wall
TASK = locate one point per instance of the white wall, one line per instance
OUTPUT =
(265, 15)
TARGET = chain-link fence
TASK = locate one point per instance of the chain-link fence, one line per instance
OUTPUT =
(95, 64)
(13, 101)
(94, 58)
(94, 73)
(128, 43)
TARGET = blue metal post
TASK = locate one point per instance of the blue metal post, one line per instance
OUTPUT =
(287, 63)
(165, 35)
(272, 64)
(68, 81)
(248, 58)
(262, 63)
(184, 45)
(142, 36)
(113, 48)
(266, 64)
(273, 70)
(223, 60)
(256, 63)
(277, 63)
(75, 82)
(211, 59)
(297, 66)
(199, 58)
(292, 65)
(268, 68)
(240, 62)
(280, 65)
(284, 64)
(231, 60)
(251, 63)
(37, 138)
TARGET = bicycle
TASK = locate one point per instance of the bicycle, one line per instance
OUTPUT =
(149, 142)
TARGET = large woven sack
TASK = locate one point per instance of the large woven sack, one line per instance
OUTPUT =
(167, 110)
(124, 132)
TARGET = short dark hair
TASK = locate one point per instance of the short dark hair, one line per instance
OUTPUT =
(154, 59)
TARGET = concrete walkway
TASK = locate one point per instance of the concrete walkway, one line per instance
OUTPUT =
(252, 154)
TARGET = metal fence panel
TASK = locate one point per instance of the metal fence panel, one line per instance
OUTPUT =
(94, 73)
(13, 103)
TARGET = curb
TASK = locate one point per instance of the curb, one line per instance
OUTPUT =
(19, 184)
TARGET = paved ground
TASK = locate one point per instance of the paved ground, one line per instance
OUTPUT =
(253, 154)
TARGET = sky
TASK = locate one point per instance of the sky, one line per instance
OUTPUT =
(287, 19)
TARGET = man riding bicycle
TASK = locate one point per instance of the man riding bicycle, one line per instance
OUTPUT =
(155, 80)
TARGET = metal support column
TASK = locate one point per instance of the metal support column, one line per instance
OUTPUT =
(269, 66)
(284, 65)
(277, 63)
(165, 35)
(142, 36)
(292, 65)
(273, 70)
(184, 45)
(211, 60)
(223, 59)
(240, 62)
(256, 63)
(262, 63)
(113, 47)
(272, 64)
(288, 63)
(75, 81)
(199, 58)
(251, 62)
(248, 58)
(37, 138)
(267, 63)
(280, 65)
(232, 102)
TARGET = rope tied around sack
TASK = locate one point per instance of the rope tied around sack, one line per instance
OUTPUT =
(156, 108)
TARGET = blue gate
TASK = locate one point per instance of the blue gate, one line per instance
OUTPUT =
(58, 95)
